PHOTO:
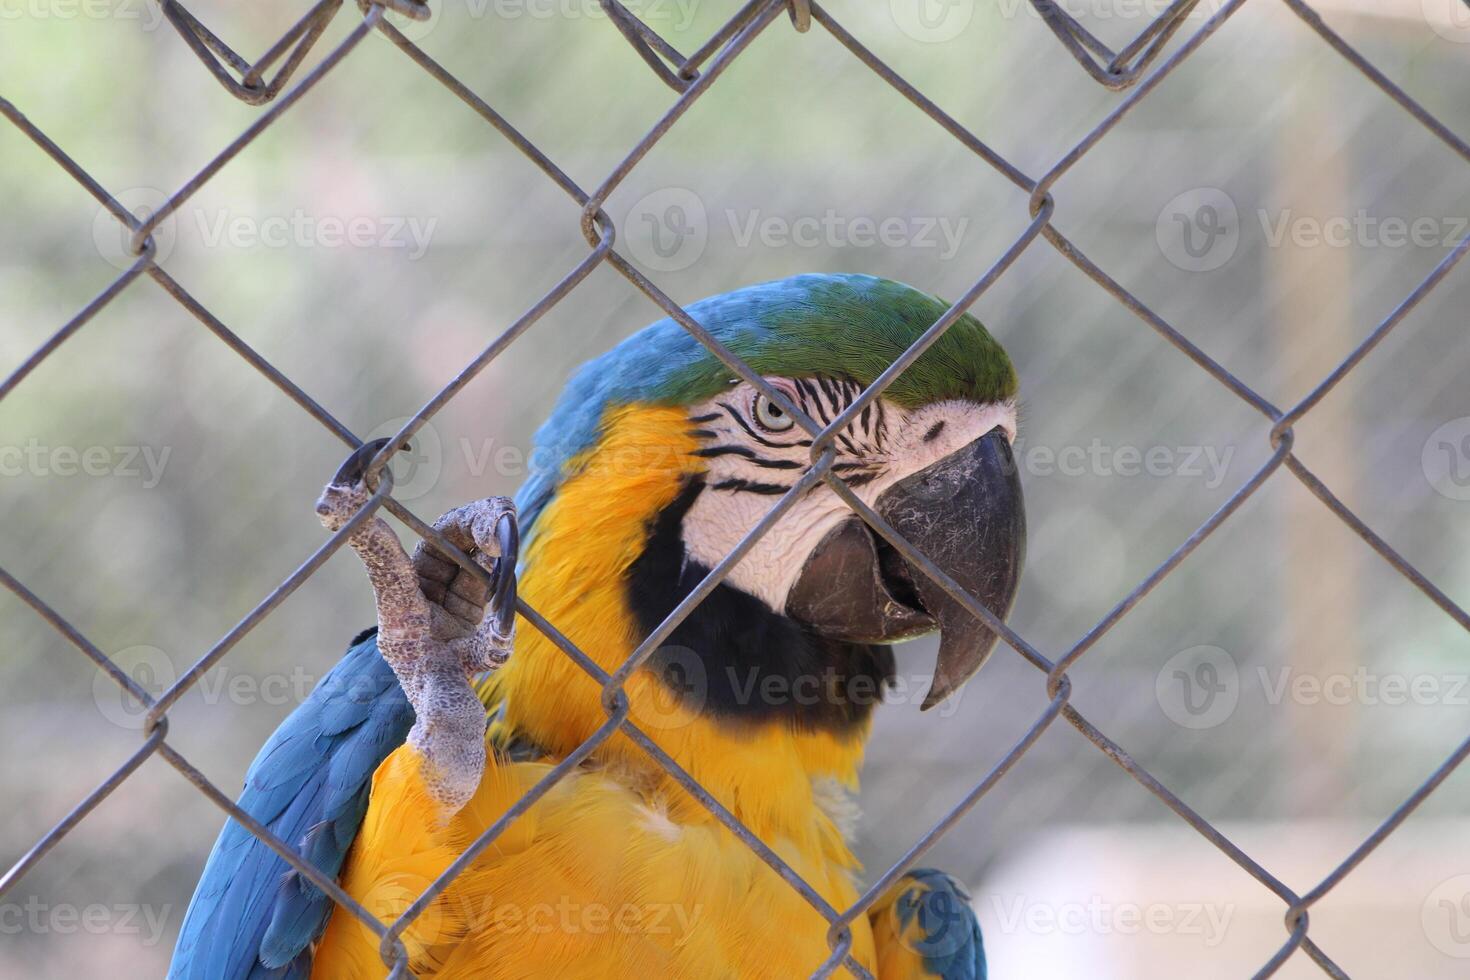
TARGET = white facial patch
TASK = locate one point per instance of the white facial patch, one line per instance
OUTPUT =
(752, 464)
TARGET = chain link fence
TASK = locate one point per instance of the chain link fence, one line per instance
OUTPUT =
(1136, 70)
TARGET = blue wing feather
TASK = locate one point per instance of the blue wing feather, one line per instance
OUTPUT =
(252, 916)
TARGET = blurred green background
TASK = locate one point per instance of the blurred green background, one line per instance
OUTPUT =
(379, 235)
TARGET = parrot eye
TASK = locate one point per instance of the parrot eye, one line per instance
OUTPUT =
(770, 416)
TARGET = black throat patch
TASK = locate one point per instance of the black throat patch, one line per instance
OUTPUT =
(735, 658)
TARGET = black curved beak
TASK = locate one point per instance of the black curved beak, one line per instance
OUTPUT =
(966, 515)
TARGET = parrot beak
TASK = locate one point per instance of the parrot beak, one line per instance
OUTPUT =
(963, 512)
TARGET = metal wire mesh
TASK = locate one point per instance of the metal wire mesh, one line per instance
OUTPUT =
(690, 77)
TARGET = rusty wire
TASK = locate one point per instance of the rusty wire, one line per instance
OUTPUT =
(690, 77)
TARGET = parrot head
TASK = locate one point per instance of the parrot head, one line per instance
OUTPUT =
(657, 460)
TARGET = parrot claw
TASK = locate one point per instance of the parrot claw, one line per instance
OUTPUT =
(485, 530)
(355, 465)
(433, 630)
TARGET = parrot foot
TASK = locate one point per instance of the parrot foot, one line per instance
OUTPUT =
(432, 627)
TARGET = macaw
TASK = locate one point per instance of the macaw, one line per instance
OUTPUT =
(652, 466)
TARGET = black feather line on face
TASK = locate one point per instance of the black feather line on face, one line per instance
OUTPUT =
(746, 486)
(836, 395)
(823, 399)
(734, 658)
(816, 401)
(860, 479)
(710, 452)
(758, 437)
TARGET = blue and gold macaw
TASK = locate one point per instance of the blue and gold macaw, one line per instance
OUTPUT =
(653, 465)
